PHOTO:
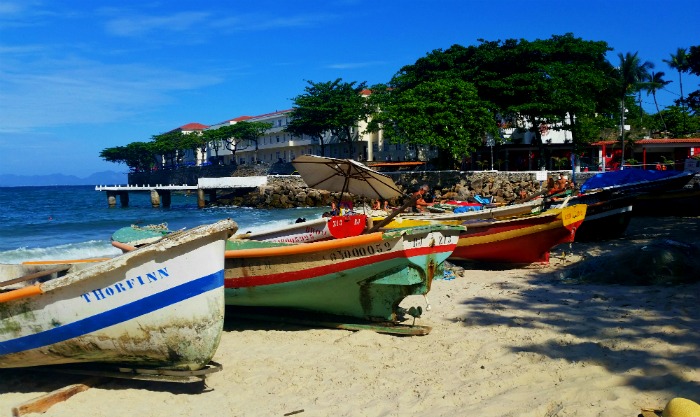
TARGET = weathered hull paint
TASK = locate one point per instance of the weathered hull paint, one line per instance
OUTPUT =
(361, 277)
(335, 227)
(524, 239)
(161, 306)
(500, 212)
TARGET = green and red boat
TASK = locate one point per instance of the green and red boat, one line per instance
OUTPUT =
(362, 277)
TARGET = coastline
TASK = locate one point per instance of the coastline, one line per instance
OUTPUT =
(530, 341)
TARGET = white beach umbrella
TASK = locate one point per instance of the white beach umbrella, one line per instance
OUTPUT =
(345, 176)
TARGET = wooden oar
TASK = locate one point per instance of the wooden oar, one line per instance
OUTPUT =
(34, 275)
(65, 261)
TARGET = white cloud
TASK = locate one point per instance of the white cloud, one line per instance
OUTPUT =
(353, 65)
(80, 91)
(139, 25)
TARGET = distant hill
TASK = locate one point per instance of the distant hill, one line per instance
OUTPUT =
(98, 178)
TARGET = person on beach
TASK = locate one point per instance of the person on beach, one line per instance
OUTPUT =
(420, 204)
(562, 182)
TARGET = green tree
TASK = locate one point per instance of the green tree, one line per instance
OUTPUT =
(693, 99)
(655, 82)
(138, 156)
(335, 107)
(679, 121)
(172, 146)
(446, 113)
(222, 136)
(553, 82)
(679, 62)
(249, 133)
(213, 141)
(631, 73)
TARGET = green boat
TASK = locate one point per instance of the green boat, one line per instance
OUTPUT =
(363, 277)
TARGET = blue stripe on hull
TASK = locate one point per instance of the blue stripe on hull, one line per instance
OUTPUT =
(115, 316)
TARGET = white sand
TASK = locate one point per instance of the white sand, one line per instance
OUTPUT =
(515, 342)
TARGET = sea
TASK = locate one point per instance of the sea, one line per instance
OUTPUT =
(75, 222)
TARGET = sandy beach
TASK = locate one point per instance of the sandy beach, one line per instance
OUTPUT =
(532, 341)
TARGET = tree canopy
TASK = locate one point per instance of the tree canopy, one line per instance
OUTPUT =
(551, 83)
(335, 107)
(138, 156)
(446, 113)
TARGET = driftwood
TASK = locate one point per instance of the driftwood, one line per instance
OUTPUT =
(46, 401)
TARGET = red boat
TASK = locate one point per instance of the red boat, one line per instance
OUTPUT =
(521, 240)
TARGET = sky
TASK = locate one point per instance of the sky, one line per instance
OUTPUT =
(79, 76)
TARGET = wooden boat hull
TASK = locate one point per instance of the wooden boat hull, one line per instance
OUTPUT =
(606, 218)
(335, 227)
(363, 277)
(500, 212)
(401, 222)
(161, 306)
(520, 240)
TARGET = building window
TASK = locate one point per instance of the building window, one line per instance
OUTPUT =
(278, 139)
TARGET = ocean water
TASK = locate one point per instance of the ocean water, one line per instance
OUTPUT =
(75, 222)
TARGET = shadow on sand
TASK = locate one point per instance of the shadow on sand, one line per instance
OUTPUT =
(648, 334)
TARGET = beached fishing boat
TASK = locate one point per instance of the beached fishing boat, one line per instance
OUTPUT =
(522, 239)
(607, 215)
(362, 277)
(159, 307)
(334, 227)
(611, 198)
(637, 180)
(498, 212)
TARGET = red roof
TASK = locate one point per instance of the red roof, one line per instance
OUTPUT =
(193, 126)
(650, 141)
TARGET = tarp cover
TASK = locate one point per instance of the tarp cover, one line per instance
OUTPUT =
(627, 176)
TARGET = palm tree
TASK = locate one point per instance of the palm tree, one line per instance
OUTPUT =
(679, 62)
(654, 82)
(632, 72)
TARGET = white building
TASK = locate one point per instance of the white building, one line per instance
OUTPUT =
(277, 145)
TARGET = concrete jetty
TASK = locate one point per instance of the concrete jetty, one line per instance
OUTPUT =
(161, 194)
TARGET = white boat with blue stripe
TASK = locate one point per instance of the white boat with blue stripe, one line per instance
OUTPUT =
(159, 307)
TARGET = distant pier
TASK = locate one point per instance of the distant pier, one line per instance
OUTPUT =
(161, 194)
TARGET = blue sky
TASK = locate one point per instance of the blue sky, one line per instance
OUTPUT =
(80, 76)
